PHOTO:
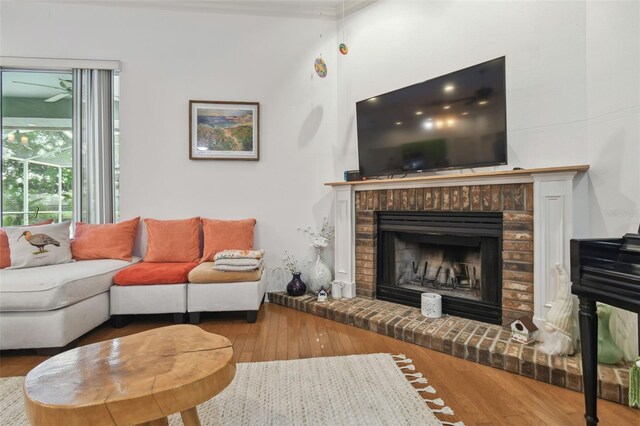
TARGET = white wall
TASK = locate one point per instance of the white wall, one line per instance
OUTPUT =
(398, 43)
(572, 84)
(169, 58)
(613, 116)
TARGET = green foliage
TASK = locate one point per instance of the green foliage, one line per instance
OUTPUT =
(12, 185)
(214, 138)
(45, 146)
(239, 138)
(244, 135)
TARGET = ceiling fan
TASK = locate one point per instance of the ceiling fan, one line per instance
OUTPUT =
(65, 86)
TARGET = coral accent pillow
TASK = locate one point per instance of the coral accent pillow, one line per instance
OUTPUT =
(5, 252)
(144, 273)
(173, 240)
(222, 235)
(105, 241)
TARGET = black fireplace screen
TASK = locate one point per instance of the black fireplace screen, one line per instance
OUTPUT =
(456, 255)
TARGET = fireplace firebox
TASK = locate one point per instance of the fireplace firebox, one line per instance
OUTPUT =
(457, 255)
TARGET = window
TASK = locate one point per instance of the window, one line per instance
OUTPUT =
(37, 176)
(59, 130)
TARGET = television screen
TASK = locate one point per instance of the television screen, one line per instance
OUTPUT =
(454, 121)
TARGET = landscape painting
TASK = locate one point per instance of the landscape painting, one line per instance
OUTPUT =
(223, 130)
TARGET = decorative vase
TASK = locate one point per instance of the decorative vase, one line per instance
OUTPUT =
(320, 274)
(608, 352)
(296, 286)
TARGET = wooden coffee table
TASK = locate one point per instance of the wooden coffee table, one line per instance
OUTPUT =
(137, 379)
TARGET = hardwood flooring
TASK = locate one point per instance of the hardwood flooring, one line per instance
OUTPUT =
(479, 394)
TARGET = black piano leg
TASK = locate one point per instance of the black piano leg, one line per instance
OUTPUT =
(589, 337)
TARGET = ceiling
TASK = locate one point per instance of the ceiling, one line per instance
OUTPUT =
(310, 9)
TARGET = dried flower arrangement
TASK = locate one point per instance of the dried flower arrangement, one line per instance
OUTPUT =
(290, 263)
(320, 237)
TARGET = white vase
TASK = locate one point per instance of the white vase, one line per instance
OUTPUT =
(320, 274)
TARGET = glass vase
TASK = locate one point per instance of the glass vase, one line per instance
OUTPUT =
(320, 274)
(296, 286)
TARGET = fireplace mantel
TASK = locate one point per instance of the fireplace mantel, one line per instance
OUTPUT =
(451, 179)
(552, 194)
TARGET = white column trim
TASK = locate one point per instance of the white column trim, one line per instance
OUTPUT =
(553, 229)
(345, 244)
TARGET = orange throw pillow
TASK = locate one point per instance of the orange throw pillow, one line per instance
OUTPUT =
(226, 235)
(5, 252)
(104, 241)
(173, 240)
(144, 273)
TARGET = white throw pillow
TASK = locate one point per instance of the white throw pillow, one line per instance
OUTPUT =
(39, 245)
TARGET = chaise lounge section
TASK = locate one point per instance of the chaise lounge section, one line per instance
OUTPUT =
(51, 306)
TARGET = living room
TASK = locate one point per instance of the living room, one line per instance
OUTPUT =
(572, 99)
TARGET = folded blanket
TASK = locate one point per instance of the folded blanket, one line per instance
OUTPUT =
(204, 274)
(238, 262)
(236, 268)
(239, 254)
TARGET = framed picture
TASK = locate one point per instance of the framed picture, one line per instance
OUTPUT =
(221, 130)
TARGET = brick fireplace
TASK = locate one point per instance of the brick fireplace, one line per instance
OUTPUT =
(514, 201)
(537, 208)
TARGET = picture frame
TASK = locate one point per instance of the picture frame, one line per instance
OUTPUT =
(224, 130)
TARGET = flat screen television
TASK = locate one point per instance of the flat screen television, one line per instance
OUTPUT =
(455, 121)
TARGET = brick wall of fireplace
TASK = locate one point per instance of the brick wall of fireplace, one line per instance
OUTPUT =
(515, 201)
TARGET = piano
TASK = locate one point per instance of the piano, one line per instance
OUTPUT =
(608, 271)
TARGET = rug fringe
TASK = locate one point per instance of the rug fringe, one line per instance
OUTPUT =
(428, 389)
(417, 378)
(444, 410)
(438, 401)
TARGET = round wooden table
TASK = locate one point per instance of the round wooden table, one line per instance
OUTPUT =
(137, 379)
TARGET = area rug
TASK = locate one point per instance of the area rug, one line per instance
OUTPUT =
(347, 390)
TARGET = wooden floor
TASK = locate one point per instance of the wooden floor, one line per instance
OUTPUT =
(479, 395)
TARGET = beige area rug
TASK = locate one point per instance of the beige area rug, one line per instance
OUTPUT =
(347, 390)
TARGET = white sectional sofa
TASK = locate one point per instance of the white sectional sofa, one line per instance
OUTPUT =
(48, 307)
(51, 306)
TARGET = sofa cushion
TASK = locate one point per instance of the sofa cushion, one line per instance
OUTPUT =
(5, 253)
(222, 235)
(205, 274)
(148, 273)
(32, 246)
(56, 286)
(104, 241)
(173, 240)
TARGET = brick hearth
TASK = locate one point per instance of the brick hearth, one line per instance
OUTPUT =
(464, 338)
(515, 201)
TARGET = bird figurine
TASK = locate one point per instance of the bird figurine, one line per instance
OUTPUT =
(39, 241)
